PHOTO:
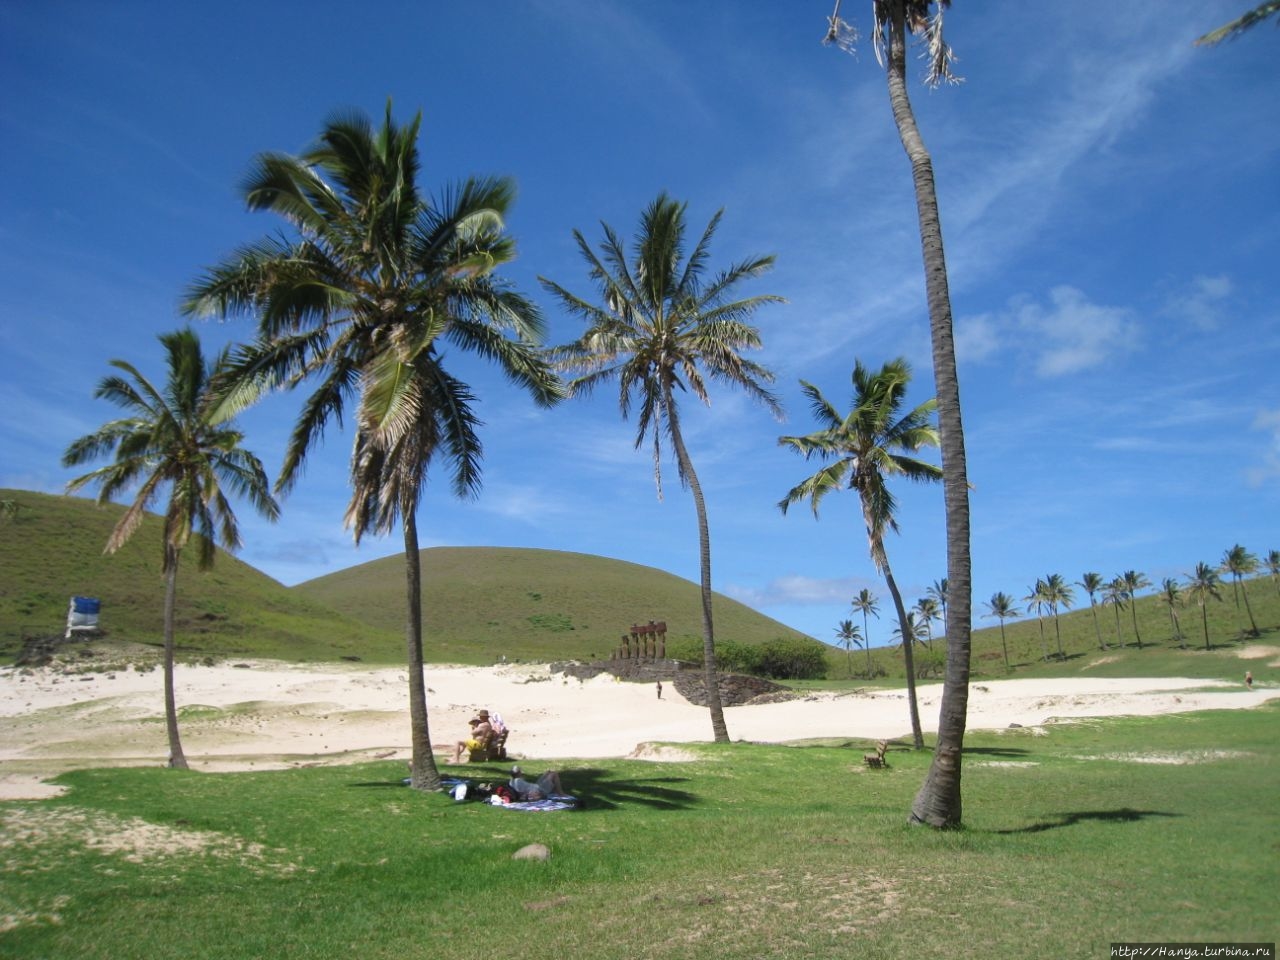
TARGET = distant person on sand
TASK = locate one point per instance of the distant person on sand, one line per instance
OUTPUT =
(1248, 679)
(547, 785)
(481, 731)
(659, 689)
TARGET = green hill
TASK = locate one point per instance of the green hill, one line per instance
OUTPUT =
(478, 603)
(51, 549)
(481, 603)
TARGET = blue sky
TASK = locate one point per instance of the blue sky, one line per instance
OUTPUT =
(1110, 204)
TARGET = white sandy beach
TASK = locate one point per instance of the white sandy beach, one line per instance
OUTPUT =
(263, 715)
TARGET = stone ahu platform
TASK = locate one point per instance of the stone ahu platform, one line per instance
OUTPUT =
(687, 678)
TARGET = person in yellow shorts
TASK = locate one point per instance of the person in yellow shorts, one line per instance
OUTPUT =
(481, 732)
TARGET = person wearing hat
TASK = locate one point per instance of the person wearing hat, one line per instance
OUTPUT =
(481, 733)
(547, 785)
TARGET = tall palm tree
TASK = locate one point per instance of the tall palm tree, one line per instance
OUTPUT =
(1239, 562)
(172, 444)
(1202, 586)
(938, 801)
(1037, 603)
(661, 326)
(1171, 596)
(1133, 582)
(1001, 606)
(1092, 583)
(1273, 567)
(847, 632)
(1058, 593)
(873, 442)
(867, 602)
(361, 300)
(1116, 593)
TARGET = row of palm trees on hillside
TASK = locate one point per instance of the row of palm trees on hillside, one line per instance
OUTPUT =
(1052, 594)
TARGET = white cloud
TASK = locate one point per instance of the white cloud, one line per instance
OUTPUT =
(1067, 334)
(799, 590)
(1203, 304)
(1072, 334)
(1269, 469)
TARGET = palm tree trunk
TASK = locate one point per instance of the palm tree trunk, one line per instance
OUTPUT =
(938, 802)
(1057, 632)
(866, 640)
(1253, 624)
(1004, 646)
(423, 774)
(719, 731)
(1204, 620)
(908, 655)
(177, 758)
(1096, 628)
(1133, 609)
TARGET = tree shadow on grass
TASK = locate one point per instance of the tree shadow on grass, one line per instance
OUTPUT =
(595, 789)
(1123, 815)
(996, 752)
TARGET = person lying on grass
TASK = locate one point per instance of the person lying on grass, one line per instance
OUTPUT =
(547, 785)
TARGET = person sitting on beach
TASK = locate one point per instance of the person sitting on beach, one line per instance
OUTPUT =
(547, 785)
(480, 734)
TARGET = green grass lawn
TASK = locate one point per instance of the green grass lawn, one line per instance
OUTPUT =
(1076, 835)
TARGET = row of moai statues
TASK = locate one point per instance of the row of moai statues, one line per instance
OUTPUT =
(647, 641)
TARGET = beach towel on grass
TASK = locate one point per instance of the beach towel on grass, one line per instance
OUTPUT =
(556, 802)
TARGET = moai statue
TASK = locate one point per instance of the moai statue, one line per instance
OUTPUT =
(661, 627)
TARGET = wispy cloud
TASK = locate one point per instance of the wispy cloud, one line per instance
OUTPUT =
(795, 590)
(1202, 303)
(1064, 335)
(1268, 471)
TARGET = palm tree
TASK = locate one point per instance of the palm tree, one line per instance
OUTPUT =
(659, 327)
(376, 281)
(1092, 583)
(1116, 593)
(847, 632)
(938, 592)
(1202, 586)
(929, 611)
(1273, 566)
(1133, 582)
(1001, 606)
(1246, 21)
(1037, 603)
(867, 603)
(1058, 593)
(1171, 597)
(1239, 562)
(912, 629)
(172, 443)
(868, 445)
(938, 801)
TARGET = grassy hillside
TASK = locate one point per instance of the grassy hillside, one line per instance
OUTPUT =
(1161, 652)
(480, 603)
(52, 549)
